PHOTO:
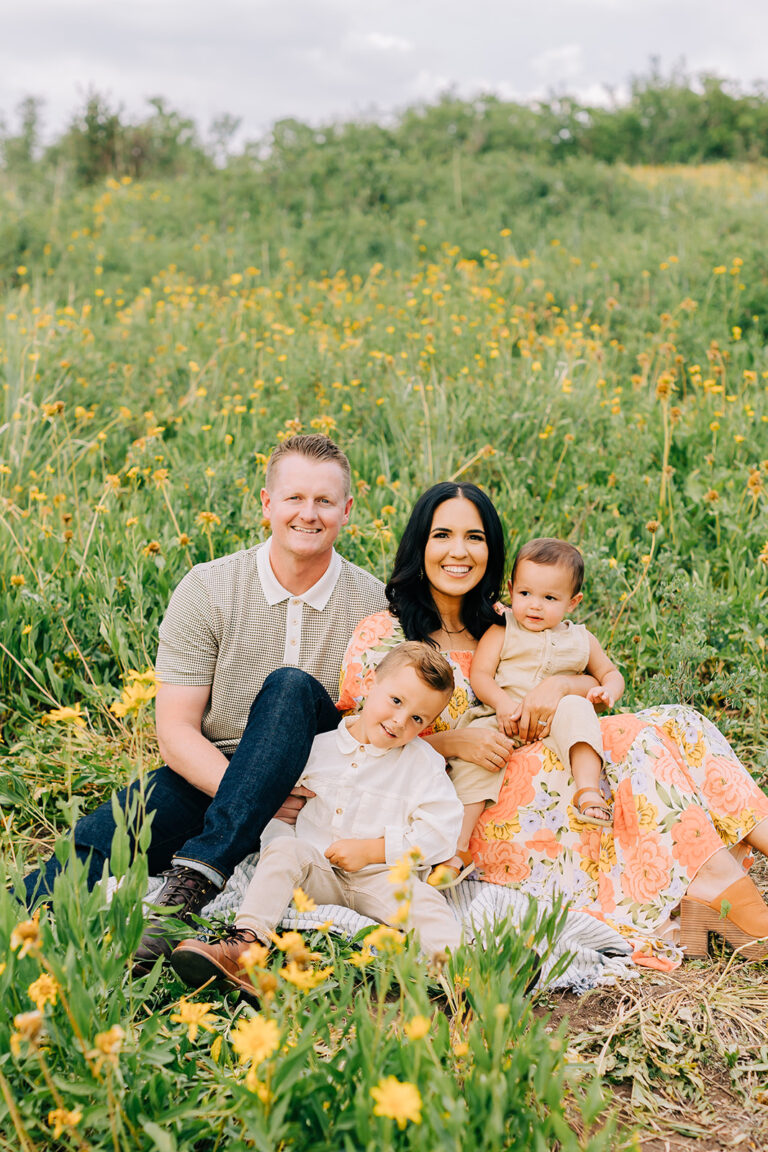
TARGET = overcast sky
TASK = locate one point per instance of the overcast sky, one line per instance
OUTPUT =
(262, 60)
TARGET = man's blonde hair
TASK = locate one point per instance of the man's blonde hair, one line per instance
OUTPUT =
(430, 666)
(313, 447)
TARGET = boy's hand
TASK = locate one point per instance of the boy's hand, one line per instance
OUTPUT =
(601, 695)
(507, 719)
(352, 855)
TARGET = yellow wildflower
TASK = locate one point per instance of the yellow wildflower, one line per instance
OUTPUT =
(400, 871)
(304, 978)
(361, 958)
(399, 1100)
(65, 716)
(385, 939)
(195, 1016)
(60, 1118)
(17, 581)
(295, 948)
(28, 1027)
(43, 991)
(401, 914)
(26, 936)
(302, 902)
(254, 956)
(107, 1044)
(417, 1028)
(256, 1039)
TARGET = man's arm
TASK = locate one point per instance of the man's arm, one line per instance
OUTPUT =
(179, 712)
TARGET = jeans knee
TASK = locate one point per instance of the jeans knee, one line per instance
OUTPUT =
(289, 679)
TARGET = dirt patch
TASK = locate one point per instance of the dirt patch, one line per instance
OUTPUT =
(684, 1056)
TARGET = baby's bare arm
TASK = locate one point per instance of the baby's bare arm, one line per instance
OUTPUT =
(484, 664)
(611, 681)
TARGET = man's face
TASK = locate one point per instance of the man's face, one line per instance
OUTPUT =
(307, 505)
(398, 707)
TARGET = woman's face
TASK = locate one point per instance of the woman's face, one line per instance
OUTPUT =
(456, 552)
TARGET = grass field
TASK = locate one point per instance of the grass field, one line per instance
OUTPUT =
(588, 343)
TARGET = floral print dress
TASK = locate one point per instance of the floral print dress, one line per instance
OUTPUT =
(679, 795)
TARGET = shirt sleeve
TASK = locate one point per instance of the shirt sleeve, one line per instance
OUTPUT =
(188, 644)
(435, 820)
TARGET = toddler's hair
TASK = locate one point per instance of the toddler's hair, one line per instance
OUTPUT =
(550, 550)
(430, 666)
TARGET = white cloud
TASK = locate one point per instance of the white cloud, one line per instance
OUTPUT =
(380, 42)
(557, 66)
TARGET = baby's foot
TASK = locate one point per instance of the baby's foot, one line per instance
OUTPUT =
(450, 872)
(593, 810)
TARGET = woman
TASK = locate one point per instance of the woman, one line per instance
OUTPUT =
(685, 810)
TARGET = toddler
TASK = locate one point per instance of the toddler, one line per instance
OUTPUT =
(535, 641)
(379, 793)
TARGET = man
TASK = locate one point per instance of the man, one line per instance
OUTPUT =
(248, 663)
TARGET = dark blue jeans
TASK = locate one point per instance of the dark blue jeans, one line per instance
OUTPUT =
(289, 711)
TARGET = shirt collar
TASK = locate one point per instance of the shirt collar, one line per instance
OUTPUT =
(316, 597)
(347, 743)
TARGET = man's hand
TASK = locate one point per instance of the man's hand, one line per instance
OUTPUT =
(352, 855)
(293, 804)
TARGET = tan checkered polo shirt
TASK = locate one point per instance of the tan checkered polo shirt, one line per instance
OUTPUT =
(220, 630)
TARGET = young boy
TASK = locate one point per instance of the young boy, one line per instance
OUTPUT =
(379, 793)
(533, 642)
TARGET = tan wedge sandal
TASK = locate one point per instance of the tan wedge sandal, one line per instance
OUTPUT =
(739, 915)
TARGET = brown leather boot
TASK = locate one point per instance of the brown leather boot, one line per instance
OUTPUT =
(184, 894)
(196, 962)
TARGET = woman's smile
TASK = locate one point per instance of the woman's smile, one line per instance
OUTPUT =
(456, 553)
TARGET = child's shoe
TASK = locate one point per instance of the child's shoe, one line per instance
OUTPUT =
(197, 962)
(447, 875)
(599, 802)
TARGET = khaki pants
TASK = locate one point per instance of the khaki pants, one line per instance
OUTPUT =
(575, 722)
(287, 863)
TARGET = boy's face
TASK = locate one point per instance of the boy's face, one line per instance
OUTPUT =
(542, 594)
(398, 707)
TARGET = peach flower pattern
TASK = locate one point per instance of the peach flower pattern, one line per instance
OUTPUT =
(679, 794)
(695, 839)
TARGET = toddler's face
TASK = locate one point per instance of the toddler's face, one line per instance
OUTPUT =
(542, 594)
(397, 708)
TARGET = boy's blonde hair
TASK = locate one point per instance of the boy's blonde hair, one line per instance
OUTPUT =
(550, 550)
(430, 666)
(314, 446)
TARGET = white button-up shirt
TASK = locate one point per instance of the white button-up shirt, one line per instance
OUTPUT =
(403, 794)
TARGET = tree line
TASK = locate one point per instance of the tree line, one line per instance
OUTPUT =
(667, 119)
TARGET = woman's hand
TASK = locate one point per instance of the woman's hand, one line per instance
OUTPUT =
(484, 746)
(538, 708)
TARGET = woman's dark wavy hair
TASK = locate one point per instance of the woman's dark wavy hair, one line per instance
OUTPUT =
(408, 591)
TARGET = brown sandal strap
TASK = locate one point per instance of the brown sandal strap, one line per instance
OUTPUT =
(600, 803)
